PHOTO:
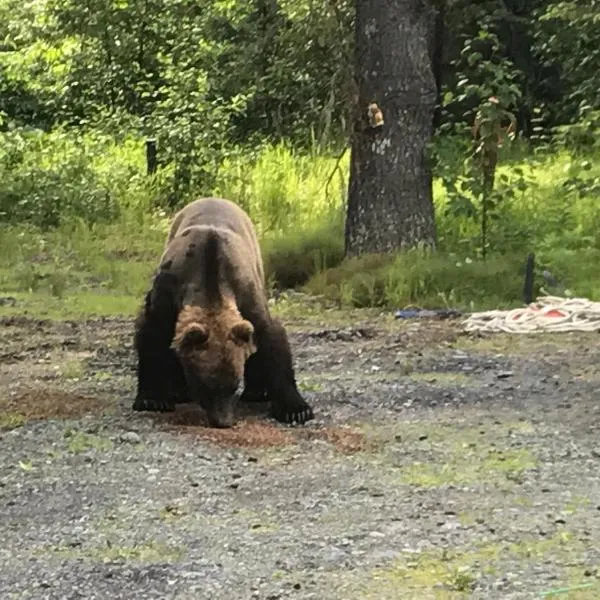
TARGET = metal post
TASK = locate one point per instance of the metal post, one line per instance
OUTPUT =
(528, 287)
(151, 161)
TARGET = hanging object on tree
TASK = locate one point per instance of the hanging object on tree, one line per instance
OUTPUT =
(375, 116)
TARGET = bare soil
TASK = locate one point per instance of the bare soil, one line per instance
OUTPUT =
(439, 465)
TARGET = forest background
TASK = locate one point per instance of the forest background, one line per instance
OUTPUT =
(253, 101)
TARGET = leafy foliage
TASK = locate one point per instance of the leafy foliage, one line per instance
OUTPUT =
(47, 178)
(249, 99)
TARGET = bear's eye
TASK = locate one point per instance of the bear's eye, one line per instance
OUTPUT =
(242, 332)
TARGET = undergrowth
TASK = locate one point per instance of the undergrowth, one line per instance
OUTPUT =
(81, 219)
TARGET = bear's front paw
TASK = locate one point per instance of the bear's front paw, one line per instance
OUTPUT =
(292, 409)
(144, 402)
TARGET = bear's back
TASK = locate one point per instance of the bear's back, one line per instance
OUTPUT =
(215, 212)
(238, 247)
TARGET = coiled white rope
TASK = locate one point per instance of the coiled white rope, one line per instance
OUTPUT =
(547, 313)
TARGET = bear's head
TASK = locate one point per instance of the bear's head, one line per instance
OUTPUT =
(213, 346)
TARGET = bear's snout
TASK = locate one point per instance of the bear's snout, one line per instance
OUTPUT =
(220, 402)
(221, 412)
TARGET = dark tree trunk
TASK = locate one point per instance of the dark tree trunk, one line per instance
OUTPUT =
(390, 203)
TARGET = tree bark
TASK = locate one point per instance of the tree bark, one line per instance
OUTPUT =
(390, 204)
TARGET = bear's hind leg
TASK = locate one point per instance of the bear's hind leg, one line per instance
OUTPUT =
(275, 357)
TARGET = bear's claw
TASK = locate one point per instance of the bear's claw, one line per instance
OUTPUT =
(297, 416)
(145, 403)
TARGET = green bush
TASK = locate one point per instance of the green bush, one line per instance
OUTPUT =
(421, 278)
(46, 178)
(543, 202)
(292, 258)
(79, 213)
(433, 280)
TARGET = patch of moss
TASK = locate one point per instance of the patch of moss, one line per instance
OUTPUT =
(577, 503)
(103, 375)
(451, 575)
(307, 384)
(79, 442)
(72, 369)
(470, 467)
(73, 305)
(525, 344)
(450, 454)
(445, 435)
(11, 420)
(148, 552)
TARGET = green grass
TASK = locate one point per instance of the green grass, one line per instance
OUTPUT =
(434, 280)
(285, 191)
(75, 305)
(452, 573)
(145, 553)
(79, 442)
(11, 420)
(93, 266)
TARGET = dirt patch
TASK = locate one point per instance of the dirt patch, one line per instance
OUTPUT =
(343, 439)
(438, 466)
(51, 404)
(255, 432)
(248, 433)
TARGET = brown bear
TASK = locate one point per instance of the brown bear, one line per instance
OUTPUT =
(205, 330)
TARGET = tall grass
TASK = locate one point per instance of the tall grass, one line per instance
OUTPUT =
(297, 203)
(285, 191)
(433, 280)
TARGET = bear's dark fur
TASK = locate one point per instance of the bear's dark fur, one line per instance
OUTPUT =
(205, 326)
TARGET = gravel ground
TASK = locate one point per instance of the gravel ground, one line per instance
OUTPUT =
(440, 466)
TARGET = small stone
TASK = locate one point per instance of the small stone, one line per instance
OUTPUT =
(504, 374)
(130, 437)
(559, 521)
(422, 437)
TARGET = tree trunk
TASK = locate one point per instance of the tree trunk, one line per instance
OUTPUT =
(390, 203)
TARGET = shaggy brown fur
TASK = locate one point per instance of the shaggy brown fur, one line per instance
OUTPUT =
(206, 322)
(216, 341)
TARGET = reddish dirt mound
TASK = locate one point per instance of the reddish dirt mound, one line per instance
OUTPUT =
(256, 433)
(52, 404)
(344, 439)
(248, 433)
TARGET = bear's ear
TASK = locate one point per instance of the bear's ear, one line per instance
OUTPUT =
(193, 337)
(242, 332)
